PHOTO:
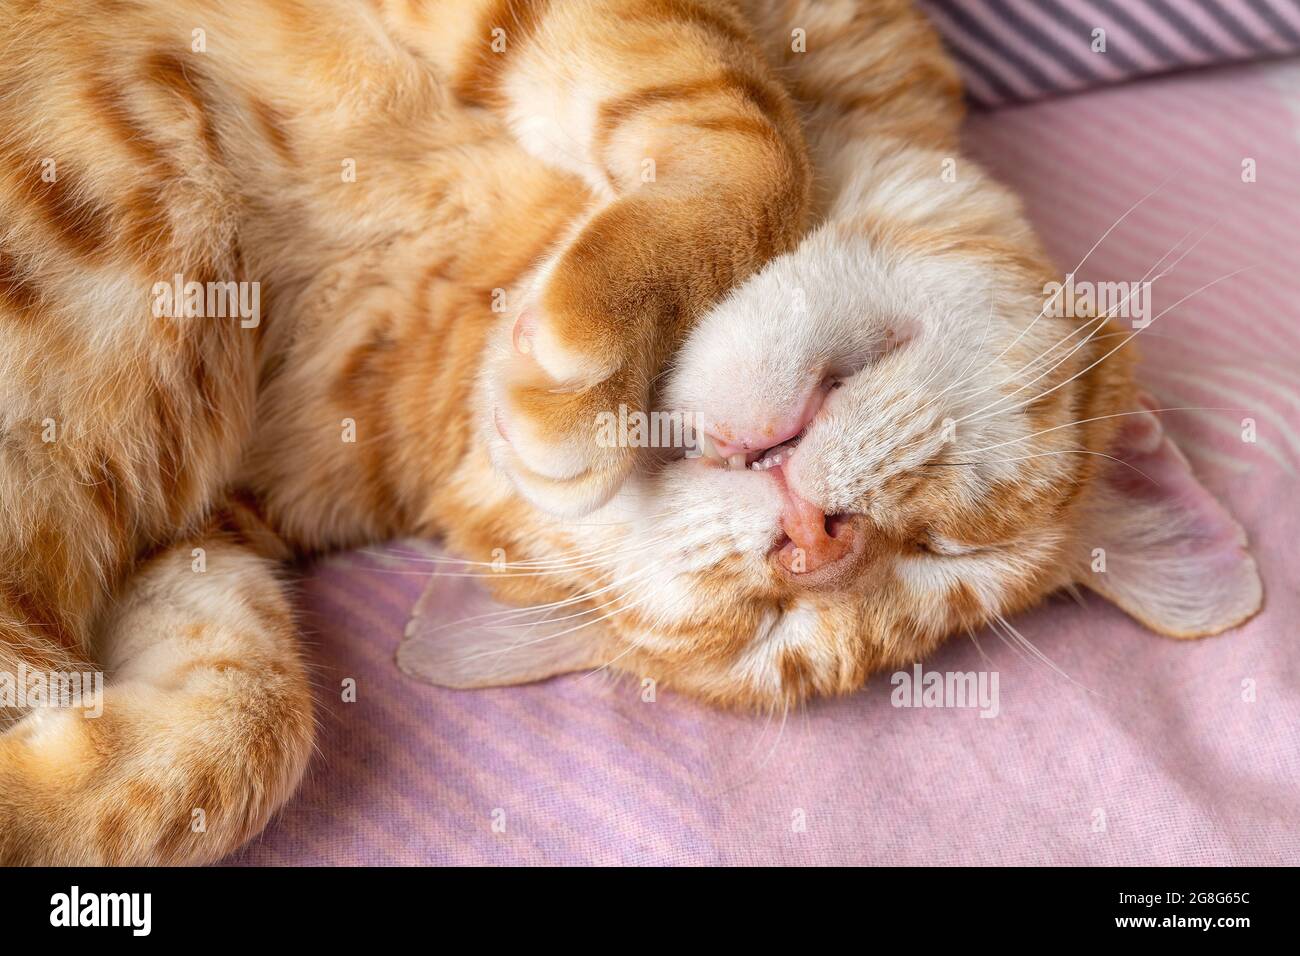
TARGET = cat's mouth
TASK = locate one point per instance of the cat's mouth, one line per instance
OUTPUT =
(762, 459)
(768, 458)
(812, 548)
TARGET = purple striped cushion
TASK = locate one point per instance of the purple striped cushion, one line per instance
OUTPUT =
(1011, 51)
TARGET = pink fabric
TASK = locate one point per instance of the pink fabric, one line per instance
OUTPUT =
(1149, 752)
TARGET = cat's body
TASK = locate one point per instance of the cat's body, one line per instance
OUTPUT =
(153, 470)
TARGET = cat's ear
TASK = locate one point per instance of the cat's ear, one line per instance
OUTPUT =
(460, 636)
(1154, 541)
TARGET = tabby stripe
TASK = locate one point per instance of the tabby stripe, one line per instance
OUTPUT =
(257, 527)
(110, 105)
(797, 673)
(613, 113)
(737, 124)
(478, 81)
(171, 470)
(964, 604)
(360, 400)
(17, 291)
(144, 230)
(146, 233)
(81, 222)
(272, 123)
(225, 521)
(170, 72)
(693, 14)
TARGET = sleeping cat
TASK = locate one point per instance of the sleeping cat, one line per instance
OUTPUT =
(474, 228)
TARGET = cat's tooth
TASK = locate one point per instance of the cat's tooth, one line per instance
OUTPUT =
(756, 466)
(737, 461)
(708, 449)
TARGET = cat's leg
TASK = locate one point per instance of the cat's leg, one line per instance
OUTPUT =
(202, 730)
(671, 112)
(122, 416)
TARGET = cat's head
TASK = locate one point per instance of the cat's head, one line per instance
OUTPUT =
(904, 442)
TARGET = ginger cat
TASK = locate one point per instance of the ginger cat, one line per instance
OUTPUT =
(474, 227)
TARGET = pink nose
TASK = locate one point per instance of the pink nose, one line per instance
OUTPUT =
(745, 438)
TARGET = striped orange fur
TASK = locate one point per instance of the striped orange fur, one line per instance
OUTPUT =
(473, 226)
(143, 141)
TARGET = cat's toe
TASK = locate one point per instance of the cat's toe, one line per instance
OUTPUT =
(550, 404)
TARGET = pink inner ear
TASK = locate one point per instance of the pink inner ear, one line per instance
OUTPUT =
(1175, 558)
(460, 636)
(1164, 476)
(1200, 556)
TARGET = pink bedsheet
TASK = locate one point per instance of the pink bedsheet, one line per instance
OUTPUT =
(1149, 751)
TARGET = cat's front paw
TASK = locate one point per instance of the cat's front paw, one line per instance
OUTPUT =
(572, 356)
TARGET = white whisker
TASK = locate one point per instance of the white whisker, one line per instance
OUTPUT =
(1098, 418)
(1098, 322)
(1127, 339)
(1039, 655)
(1079, 265)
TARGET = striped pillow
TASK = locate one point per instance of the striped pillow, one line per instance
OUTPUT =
(1011, 51)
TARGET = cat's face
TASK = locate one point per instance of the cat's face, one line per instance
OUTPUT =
(901, 443)
(960, 455)
(928, 488)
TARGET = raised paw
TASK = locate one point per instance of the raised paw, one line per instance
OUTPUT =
(576, 352)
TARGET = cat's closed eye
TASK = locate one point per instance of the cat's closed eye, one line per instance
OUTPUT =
(930, 543)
